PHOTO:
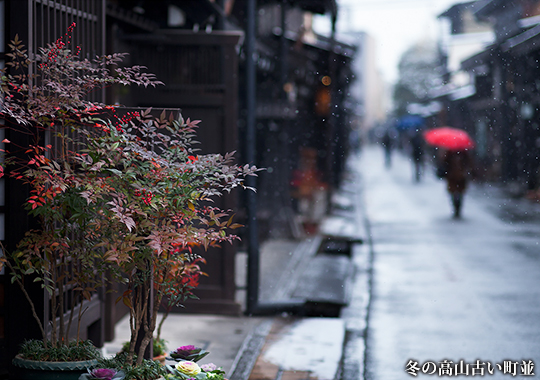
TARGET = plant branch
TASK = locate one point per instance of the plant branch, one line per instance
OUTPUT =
(27, 296)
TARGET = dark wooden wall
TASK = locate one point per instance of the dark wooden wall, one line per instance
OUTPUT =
(200, 72)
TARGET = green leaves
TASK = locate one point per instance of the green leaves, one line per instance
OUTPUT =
(115, 172)
(71, 351)
(126, 298)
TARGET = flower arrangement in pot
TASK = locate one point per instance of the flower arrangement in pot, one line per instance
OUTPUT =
(187, 367)
(187, 370)
(51, 108)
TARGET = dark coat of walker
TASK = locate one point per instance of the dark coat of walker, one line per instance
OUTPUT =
(458, 167)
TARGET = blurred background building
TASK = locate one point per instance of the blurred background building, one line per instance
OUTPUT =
(492, 87)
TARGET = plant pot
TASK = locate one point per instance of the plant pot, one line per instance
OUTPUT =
(161, 359)
(38, 370)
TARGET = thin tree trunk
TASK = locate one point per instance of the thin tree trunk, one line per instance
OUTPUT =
(27, 296)
(145, 323)
(81, 312)
(160, 325)
(54, 308)
(135, 320)
(61, 331)
(150, 326)
(71, 314)
(159, 295)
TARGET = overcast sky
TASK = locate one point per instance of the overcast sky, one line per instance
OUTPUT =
(394, 24)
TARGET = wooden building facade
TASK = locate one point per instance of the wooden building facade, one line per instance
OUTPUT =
(196, 48)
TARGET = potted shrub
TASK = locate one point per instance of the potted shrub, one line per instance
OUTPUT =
(128, 194)
(153, 199)
(61, 254)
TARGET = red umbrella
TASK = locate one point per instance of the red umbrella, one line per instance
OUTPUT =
(449, 138)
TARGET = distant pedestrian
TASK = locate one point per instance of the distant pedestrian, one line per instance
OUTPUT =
(417, 152)
(387, 143)
(457, 165)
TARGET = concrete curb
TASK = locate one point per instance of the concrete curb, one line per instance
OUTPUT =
(250, 351)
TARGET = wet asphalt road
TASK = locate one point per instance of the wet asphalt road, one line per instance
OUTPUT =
(458, 290)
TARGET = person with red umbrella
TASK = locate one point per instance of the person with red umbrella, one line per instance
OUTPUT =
(456, 161)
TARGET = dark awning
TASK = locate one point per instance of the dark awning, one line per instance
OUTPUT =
(523, 43)
(480, 59)
(455, 10)
(131, 18)
(315, 6)
(153, 13)
(324, 43)
(487, 7)
(200, 10)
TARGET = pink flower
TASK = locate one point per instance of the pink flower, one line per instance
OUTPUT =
(103, 373)
(208, 367)
(190, 353)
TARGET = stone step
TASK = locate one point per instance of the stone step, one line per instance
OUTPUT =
(342, 227)
(318, 276)
(325, 284)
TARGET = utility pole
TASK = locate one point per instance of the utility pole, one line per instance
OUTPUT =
(251, 144)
